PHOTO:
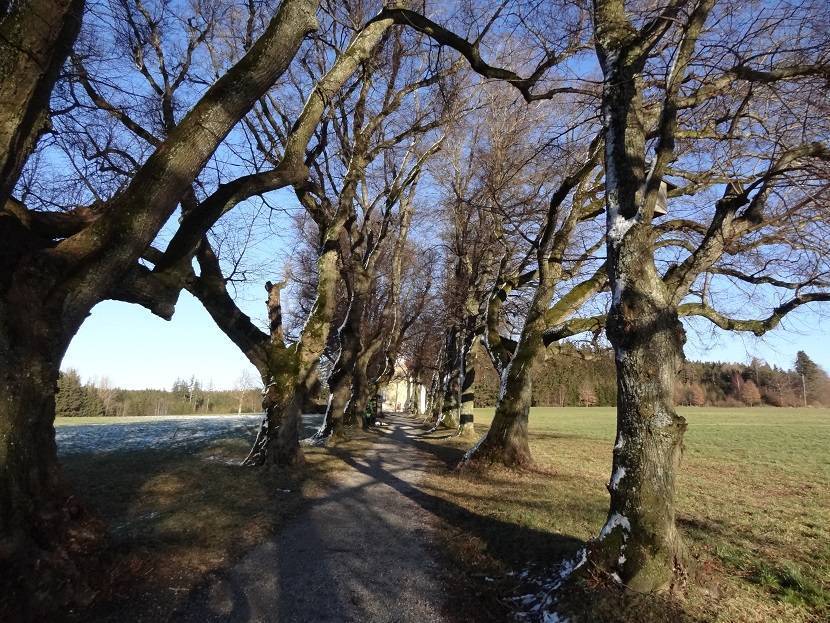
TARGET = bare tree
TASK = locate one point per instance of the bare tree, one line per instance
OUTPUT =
(677, 78)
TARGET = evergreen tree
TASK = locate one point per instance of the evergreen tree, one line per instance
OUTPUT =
(69, 401)
(815, 382)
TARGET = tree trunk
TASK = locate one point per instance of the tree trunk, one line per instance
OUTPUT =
(279, 439)
(468, 377)
(334, 422)
(640, 542)
(450, 404)
(360, 391)
(435, 397)
(506, 441)
(42, 527)
(340, 381)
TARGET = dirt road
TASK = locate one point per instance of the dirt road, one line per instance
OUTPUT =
(360, 552)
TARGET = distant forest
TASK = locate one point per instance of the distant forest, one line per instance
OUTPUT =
(186, 397)
(586, 377)
(569, 377)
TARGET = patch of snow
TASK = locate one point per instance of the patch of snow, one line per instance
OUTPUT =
(618, 475)
(616, 520)
(619, 286)
(618, 227)
(569, 566)
(503, 382)
(662, 419)
(540, 605)
(472, 451)
(620, 442)
(187, 433)
(583, 558)
(616, 578)
(621, 560)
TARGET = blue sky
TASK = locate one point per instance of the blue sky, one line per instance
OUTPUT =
(135, 349)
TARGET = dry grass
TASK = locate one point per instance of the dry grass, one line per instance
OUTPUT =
(753, 500)
(176, 516)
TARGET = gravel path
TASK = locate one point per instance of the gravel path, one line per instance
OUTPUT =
(358, 553)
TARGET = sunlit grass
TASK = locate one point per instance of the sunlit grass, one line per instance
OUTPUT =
(753, 505)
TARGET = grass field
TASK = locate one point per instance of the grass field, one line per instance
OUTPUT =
(753, 502)
(176, 514)
(753, 505)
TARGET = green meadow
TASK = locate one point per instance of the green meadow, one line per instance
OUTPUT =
(753, 505)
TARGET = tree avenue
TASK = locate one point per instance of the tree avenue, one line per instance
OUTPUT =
(495, 179)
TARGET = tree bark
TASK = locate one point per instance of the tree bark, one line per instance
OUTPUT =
(36, 36)
(466, 415)
(506, 441)
(340, 381)
(361, 388)
(42, 527)
(639, 544)
(640, 541)
(450, 404)
(278, 442)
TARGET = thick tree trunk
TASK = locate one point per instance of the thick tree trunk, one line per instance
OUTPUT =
(640, 542)
(334, 422)
(435, 395)
(278, 442)
(360, 391)
(468, 377)
(42, 527)
(451, 382)
(338, 412)
(506, 441)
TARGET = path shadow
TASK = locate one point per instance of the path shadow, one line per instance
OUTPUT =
(499, 536)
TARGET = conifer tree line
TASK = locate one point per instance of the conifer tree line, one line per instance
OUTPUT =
(99, 398)
(576, 376)
(465, 184)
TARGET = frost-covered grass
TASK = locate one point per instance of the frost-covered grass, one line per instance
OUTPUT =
(753, 504)
(99, 435)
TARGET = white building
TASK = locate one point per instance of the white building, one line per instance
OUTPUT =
(403, 393)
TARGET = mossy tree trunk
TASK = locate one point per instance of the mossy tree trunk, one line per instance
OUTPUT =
(293, 370)
(44, 531)
(468, 377)
(451, 385)
(639, 543)
(506, 441)
(360, 390)
(338, 410)
(52, 277)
